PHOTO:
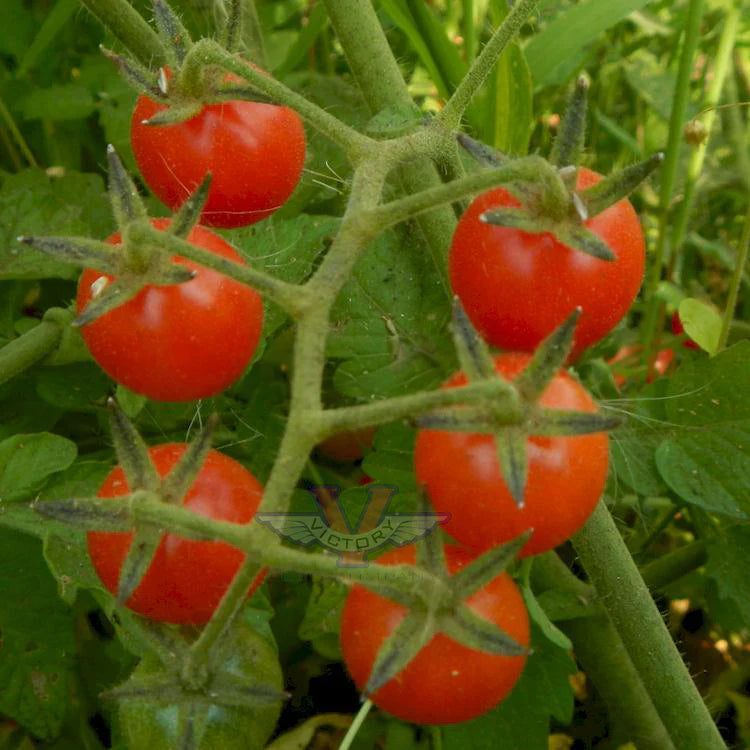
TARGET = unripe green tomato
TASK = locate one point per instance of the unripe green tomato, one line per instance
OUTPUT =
(146, 724)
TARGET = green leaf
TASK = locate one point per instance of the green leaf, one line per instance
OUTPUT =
(22, 411)
(389, 322)
(289, 249)
(17, 27)
(706, 459)
(427, 36)
(540, 617)
(68, 559)
(556, 50)
(316, 22)
(56, 18)
(651, 81)
(80, 386)
(633, 446)
(37, 657)
(260, 414)
(69, 101)
(27, 460)
(507, 100)
(728, 563)
(391, 461)
(323, 609)
(522, 720)
(33, 203)
(701, 323)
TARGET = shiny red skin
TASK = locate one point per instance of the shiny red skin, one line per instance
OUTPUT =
(518, 287)
(254, 151)
(187, 578)
(179, 342)
(446, 682)
(566, 475)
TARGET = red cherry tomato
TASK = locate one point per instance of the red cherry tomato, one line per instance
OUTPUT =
(446, 682)
(187, 578)
(518, 287)
(678, 330)
(566, 475)
(254, 151)
(180, 342)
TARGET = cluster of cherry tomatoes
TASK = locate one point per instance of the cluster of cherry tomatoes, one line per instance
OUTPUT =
(193, 340)
(517, 288)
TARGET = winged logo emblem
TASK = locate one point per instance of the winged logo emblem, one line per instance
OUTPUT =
(330, 527)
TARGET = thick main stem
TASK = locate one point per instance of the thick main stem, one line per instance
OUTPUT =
(641, 627)
(601, 653)
(379, 77)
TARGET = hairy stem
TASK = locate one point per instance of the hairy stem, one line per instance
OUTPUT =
(130, 28)
(641, 627)
(33, 345)
(601, 653)
(528, 168)
(208, 52)
(291, 297)
(450, 115)
(379, 77)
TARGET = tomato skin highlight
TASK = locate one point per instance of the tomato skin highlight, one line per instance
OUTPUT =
(254, 151)
(518, 287)
(187, 578)
(566, 475)
(180, 342)
(446, 682)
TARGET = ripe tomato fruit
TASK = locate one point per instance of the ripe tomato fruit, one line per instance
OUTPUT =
(446, 682)
(518, 287)
(179, 342)
(254, 151)
(187, 578)
(566, 475)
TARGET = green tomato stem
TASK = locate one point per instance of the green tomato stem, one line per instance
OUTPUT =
(503, 395)
(669, 174)
(721, 68)
(734, 285)
(359, 719)
(291, 297)
(196, 665)
(33, 345)
(208, 52)
(379, 77)
(601, 653)
(450, 115)
(653, 652)
(130, 28)
(527, 168)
